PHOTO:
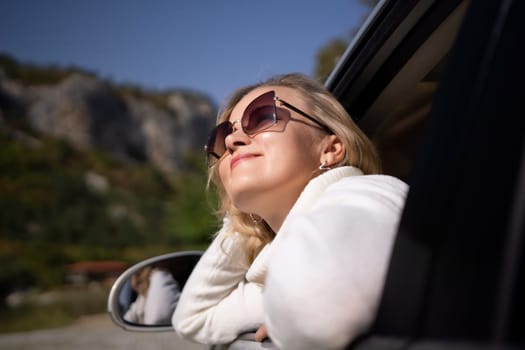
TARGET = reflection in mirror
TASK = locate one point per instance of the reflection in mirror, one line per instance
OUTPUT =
(144, 297)
(151, 296)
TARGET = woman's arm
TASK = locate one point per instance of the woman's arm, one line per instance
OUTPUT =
(135, 313)
(162, 297)
(327, 266)
(217, 303)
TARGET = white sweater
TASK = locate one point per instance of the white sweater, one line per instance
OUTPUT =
(223, 295)
(157, 307)
(327, 265)
(323, 273)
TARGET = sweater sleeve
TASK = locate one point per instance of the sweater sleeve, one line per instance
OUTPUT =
(217, 302)
(163, 295)
(327, 267)
(135, 313)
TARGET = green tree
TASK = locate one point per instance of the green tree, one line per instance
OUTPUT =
(329, 54)
(189, 215)
(370, 3)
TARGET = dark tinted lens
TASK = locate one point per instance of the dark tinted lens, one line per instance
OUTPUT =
(260, 114)
(215, 147)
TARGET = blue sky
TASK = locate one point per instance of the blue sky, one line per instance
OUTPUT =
(209, 46)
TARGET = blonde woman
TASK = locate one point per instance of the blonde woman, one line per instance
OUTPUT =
(157, 297)
(308, 223)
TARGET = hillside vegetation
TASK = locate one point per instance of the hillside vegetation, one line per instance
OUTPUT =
(62, 201)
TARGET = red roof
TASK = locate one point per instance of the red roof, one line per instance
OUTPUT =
(97, 267)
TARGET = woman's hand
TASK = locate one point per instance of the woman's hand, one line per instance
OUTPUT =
(261, 334)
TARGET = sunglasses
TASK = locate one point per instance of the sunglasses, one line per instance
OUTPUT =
(260, 115)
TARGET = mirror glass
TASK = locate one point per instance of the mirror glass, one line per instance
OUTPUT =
(145, 295)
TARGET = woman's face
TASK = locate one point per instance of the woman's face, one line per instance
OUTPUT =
(265, 173)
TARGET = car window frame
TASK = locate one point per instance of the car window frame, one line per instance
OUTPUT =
(418, 308)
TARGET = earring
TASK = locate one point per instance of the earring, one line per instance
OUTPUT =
(323, 166)
(255, 219)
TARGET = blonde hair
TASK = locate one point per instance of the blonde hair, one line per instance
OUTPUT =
(140, 280)
(322, 105)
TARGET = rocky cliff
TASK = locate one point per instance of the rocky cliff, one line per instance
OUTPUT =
(132, 124)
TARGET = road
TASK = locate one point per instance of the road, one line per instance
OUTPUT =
(93, 333)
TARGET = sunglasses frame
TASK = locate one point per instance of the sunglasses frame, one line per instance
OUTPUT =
(227, 127)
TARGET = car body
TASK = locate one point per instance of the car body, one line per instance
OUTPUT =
(436, 85)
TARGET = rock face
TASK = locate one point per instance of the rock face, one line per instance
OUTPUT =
(89, 113)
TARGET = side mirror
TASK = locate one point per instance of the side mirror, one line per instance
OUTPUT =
(144, 297)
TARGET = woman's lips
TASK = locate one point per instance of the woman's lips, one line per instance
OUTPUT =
(239, 158)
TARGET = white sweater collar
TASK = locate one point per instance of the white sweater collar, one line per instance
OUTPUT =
(308, 197)
(317, 185)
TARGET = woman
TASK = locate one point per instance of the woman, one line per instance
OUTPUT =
(157, 297)
(306, 234)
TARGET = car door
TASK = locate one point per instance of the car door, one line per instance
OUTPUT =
(456, 273)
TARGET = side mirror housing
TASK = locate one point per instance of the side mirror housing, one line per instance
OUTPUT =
(161, 278)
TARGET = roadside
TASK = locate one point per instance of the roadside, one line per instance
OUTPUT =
(93, 332)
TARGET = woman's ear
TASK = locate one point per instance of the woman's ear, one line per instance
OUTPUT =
(332, 150)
